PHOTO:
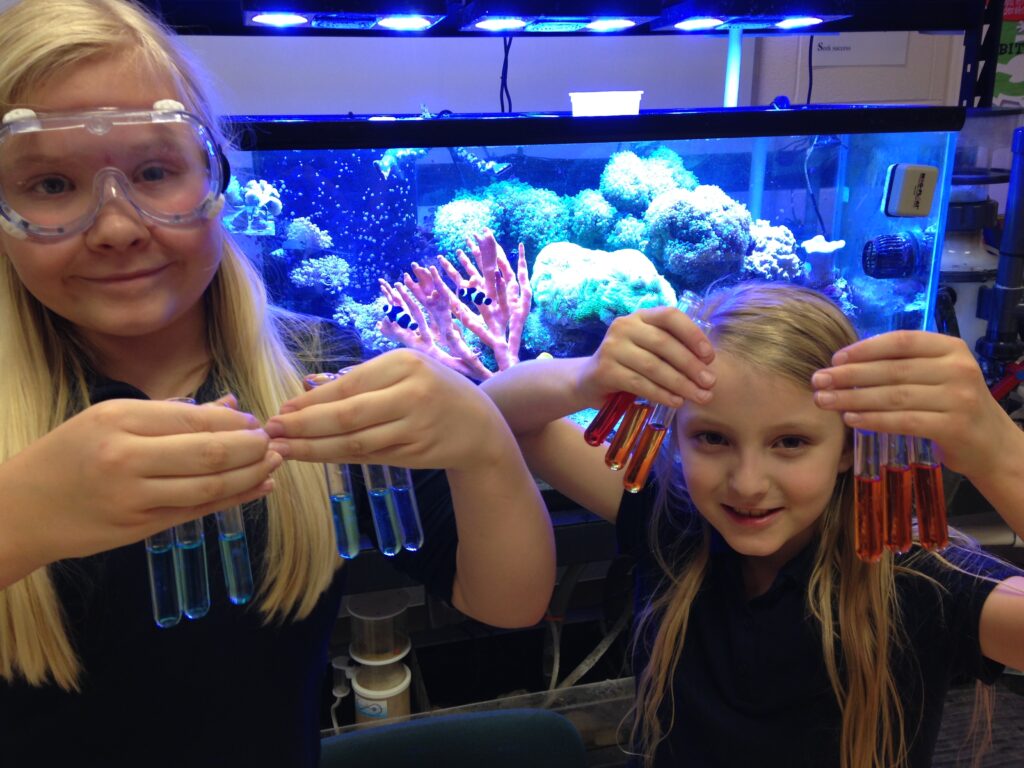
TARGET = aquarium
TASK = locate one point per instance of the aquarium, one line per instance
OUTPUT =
(379, 223)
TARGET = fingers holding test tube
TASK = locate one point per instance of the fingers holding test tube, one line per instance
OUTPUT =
(917, 383)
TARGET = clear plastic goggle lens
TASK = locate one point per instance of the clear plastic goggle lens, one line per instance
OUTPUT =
(58, 171)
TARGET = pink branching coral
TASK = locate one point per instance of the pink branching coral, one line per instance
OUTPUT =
(501, 297)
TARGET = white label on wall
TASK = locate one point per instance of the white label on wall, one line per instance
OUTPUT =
(861, 49)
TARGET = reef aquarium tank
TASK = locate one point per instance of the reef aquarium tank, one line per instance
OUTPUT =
(382, 224)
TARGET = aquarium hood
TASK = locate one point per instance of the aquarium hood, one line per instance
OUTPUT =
(562, 17)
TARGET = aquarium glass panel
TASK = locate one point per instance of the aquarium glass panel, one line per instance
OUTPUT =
(607, 226)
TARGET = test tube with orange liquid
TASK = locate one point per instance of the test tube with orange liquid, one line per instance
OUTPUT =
(868, 495)
(897, 486)
(929, 498)
(625, 439)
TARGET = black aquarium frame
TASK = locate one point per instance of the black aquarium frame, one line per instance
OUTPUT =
(319, 132)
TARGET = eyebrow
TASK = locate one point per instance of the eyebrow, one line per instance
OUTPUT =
(786, 427)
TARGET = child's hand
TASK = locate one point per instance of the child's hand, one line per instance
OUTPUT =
(917, 383)
(400, 408)
(658, 354)
(122, 470)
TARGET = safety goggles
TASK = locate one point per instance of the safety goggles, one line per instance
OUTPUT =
(57, 171)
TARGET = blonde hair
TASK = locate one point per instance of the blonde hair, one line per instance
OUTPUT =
(38, 40)
(788, 331)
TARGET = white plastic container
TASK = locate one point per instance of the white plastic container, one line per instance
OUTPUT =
(598, 103)
(381, 692)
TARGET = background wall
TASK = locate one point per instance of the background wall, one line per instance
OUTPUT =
(304, 75)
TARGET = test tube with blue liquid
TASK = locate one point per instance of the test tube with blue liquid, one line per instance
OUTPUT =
(343, 508)
(190, 557)
(163, 578)
(234, 555)
(383, 509)
(404, 493)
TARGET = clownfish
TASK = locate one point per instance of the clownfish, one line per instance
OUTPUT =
(474, 295)
(398, 315)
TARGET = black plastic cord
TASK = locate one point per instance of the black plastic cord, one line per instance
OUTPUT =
(810, 69)
(503, 93)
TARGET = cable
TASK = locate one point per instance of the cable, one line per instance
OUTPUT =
(810, 190)
(810, 69)
(503, 93)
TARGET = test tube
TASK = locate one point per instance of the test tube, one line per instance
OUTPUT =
(896, 484)
(190, 554)
(599, 429)
(343, 508)
(932, 528)
(647, 445)
(869, 499)
(404, 494)
(629, 430)
(234, 555)
(163, 579)
(382, 508)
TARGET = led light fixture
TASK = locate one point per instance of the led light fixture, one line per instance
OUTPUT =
(385, 16)
(559, 16)
(755, 15)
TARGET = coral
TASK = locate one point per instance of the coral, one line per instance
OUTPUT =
(255, 207)
(304, 235)
(525, 214)
(697, 235)
(774, 252)
(664, 158)
(453, 220)
(628, 232)
(445, 327)
(591, 219)
(578, 291)
(330, 272)
(630, 182)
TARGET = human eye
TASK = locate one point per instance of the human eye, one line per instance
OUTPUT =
(709, 440)
(49, 186)
(153, 173)
(792, 443)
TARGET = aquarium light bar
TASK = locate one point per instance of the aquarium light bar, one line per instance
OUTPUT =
(408, 23)
(611, 25)
(698, 24)
(499, 23)
(798, 22)
(277, 19)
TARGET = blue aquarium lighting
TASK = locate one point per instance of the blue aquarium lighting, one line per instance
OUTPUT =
(405, 23)
(279, 19)
(610, 25)
(698, 24)
(798, 22)
(500, 24)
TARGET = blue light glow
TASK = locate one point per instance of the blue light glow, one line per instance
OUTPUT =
(796, 22)
(500, 24)
(610, 25)
(698, 23)
(404, 23)
(279, 19)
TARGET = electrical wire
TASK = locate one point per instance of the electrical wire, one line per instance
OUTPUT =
(810, 69)
(810, 189)
(504, 95)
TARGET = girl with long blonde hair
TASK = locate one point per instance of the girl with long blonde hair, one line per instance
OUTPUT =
(119, 290)
(759, 635)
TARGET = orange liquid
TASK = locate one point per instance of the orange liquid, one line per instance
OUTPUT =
(932, 528)
(643, 457)
(898, 508)
(607, 417)
(869, 507)
(625, 438)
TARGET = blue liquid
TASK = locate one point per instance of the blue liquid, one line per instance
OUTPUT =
(163, 585)
(346, 527)
(385, 521)
(408, 517)
(234, 557)
(195, 584)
